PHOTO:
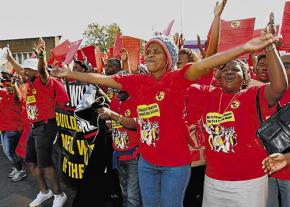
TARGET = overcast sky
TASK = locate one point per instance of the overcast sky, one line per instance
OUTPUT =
(69, 18)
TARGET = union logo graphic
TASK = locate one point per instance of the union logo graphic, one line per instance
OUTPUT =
(160, 96)
(235, 24)
(127, 112)
(235, 104)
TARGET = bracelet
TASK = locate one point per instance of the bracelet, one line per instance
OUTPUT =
(40, 56)
(270, 47)
(120, 119)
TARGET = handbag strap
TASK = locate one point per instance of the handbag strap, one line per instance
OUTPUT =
(258, 109)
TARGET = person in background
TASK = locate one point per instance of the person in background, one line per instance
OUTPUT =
(279, 182)
(228, 145)
(41, 100)
(11, 127)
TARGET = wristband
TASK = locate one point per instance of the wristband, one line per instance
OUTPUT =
(39, 56)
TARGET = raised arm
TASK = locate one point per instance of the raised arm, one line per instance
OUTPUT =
(93, 78)
(42, 64)
(277, 74)
(127, 122)
(196, 70)
(215, 29)
(15, 65)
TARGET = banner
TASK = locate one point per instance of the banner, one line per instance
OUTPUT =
(73, 48)
(74, 135)
(132, 45)
(89, 53)
(235, 33)
(285, 28)
(117, 46)
(58, 54)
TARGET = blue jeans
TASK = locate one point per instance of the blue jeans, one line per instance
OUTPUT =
(162, 186)
(277, 186)
(9, 141)
(128, 177)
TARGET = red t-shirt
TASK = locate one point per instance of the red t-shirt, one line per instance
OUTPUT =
(41, 99)
(10, 110)
(233, 152)
(160, 107)
(124, 139)
(284, 174)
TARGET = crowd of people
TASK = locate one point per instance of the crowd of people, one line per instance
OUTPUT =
(182, 126)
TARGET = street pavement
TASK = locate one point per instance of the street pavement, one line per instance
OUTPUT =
(21, 193)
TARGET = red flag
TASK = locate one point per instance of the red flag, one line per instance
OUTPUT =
(167, 30)
(73, 48)
(58, 54)
(99, 61)
(132, 45)
(117, 46)
(90, 54)
(285, 28)
(235, 33)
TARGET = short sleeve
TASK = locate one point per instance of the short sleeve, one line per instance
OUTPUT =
(129, 83)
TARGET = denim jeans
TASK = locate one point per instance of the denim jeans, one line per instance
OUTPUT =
(277, 186)
(128, 177)
(162, 186)
(9, 141)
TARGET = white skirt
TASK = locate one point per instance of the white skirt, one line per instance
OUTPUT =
(246, 193)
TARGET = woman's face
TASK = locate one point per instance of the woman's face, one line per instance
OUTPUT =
(155, 58)
(182, 60)
(262, 71)
(231, 77)
(29, 73)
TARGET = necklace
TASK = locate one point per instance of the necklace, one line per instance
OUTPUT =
(230, 102)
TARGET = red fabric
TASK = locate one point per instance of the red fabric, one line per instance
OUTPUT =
(58, 53)
(90, 53)
(167, 30)
(41, 100)
(233, 152)
(285, 28)
(21, 146)
(160, 105)
(124, 139)
(235, 33)
(10, 111)
(118, 44)
(73, 48)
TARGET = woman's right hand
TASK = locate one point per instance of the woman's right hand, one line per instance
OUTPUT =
(259, 43)
(274, 162)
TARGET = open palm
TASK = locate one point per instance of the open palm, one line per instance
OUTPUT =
(259, 43)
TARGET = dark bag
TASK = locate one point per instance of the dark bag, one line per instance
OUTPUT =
(275, 131)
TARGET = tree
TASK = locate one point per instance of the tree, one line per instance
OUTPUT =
(101, 36)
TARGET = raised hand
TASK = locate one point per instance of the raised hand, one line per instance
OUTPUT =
(259, 42)
(274, 162)
(271, 27)
(39, 48)
(219, 7)
(104, 113)
(124, 54)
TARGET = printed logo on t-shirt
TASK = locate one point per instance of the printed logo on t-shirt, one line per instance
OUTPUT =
(235, 104)
(30, 99)
(221, 139)
(120, 139)
(116, 125)
(33, 91)
(160, 96)
(127, 112)
(32, 112)
(149, 131)
(148, 111)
